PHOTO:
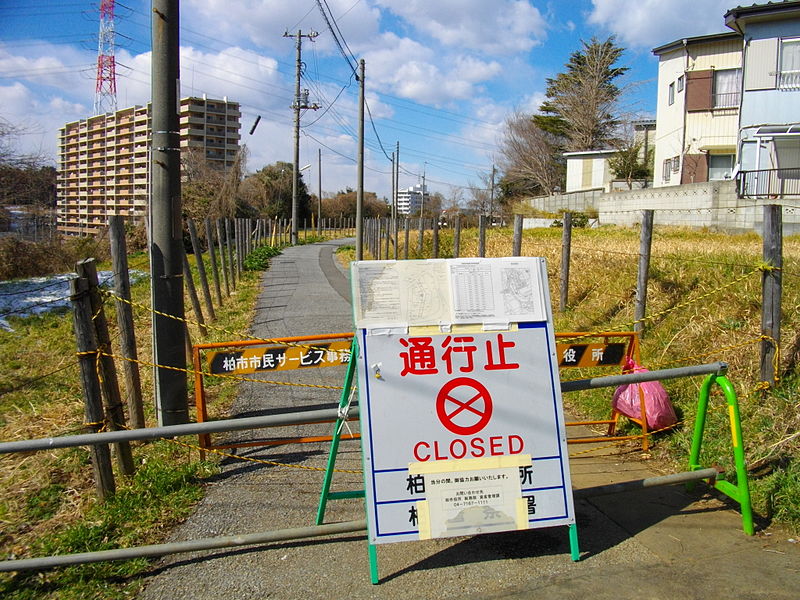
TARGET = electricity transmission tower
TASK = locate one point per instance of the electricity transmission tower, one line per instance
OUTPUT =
(105, 93)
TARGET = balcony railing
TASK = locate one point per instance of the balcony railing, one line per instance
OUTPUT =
(769, 183)
(727, 100)
(789, 80)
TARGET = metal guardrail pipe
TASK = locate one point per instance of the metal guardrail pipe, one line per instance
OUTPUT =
(717, 368)
(313, 416)
(168, 431)
(155, 550)
(639, 484)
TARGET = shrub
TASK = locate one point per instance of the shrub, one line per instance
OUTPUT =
(258, 259)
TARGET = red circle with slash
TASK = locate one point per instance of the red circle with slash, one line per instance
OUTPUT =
(461, 395)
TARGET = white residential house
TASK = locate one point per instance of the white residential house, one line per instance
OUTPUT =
(697, 111)
(769, 123)
(590, 170)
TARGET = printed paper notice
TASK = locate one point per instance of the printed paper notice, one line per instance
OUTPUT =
(377, 298)
(401, 294)
(503, 290)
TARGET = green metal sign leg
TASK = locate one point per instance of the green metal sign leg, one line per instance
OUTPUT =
(574, 550)
(373, 563)
(337, 428)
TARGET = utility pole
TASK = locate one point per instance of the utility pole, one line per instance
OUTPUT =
(396, 176)
(360, 183)
(300, 103)
(166, 231)
(319, 196)
(394, 193)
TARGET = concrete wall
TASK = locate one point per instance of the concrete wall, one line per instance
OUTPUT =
(712, 204)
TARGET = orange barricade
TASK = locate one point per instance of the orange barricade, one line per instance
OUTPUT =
(244, 357)
(602, 349)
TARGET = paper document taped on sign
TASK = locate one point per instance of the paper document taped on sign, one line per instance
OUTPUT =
(443, 292)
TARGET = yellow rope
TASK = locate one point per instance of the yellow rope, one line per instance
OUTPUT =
(633, 324)
(233, 377)
(220, 329)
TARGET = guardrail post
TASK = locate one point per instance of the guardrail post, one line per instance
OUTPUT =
(740, 492)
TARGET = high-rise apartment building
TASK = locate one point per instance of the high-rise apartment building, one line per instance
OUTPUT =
(411, 200)
(104, 161)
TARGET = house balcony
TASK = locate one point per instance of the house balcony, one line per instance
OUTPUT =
(769, 183)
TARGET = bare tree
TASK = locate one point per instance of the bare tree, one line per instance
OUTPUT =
(529, 156)
(209, 191)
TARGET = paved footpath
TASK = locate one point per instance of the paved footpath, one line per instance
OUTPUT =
(661, 543)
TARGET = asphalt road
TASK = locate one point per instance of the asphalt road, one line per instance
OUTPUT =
(661, 543)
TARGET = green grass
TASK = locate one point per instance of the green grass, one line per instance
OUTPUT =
(47, 499)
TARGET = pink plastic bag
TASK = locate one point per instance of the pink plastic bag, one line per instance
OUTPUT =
(657, 405)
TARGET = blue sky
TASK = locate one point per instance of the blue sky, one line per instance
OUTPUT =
(442, 75)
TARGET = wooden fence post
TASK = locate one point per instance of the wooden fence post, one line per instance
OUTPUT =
(395, 230)
(405, 235)
(645, 243)
(482, 236)
(229, 248)
(771, 289)
(222, 258)
(127, 336)
(201, 269)
(516, 244)
(93, 407)
(108, 383)
(457, 237)
(421, 238)
(388, 225)
(212, 254)
(198, 312)
(566, 254)
(435, 242)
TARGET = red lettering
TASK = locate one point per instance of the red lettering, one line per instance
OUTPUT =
(416, 451)
(436, 452)
(463, 451)
(478, 449)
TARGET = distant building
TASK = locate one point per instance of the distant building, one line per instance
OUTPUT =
(104, 161)
(411, 200)
(590, 170)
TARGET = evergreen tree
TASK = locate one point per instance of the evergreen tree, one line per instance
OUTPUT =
(581, 101)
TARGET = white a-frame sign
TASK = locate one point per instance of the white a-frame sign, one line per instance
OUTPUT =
(460, 402)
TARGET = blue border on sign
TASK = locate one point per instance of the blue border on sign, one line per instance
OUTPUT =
(560, 456)
(553, 384)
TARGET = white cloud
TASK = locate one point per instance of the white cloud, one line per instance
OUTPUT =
(408, 69)
(499, 27)
(651, 23)
(263, 22)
